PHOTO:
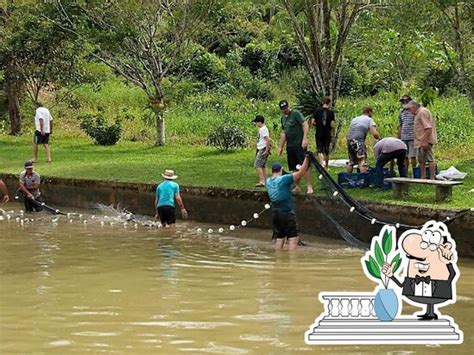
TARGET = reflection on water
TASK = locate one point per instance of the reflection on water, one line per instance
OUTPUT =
(76, 287)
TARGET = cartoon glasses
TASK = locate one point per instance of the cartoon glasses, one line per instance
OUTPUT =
(430, 239)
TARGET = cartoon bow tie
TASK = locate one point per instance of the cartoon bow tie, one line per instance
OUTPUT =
(419, 279)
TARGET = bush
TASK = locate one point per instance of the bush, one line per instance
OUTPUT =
(227, 137)
(96, 127)
(260, 59)
(259, 90)
(209, 69)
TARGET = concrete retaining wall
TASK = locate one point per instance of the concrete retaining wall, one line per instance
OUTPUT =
(227, 206)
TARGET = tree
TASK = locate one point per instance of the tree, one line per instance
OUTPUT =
(322, 34)
(34, 55)
(140, 41)
(458, 18)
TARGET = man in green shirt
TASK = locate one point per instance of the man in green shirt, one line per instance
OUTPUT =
(295, 135)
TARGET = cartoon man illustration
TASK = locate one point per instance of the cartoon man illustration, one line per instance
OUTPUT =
(432, 268)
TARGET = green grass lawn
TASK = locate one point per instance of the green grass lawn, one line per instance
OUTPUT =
(195, 166)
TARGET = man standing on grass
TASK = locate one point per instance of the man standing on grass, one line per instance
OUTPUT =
(43, 129)
(324, 122)
(167, 193)
(4, 192)
(425, 137)
(406, 132)
(263, 149)
(29, 185)
(285, 225)
(358, 129)
(295, 136)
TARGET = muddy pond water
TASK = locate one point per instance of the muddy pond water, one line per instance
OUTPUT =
(95, 287)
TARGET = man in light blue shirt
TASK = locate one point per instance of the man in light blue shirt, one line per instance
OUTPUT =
(167, 192)
(284, 220)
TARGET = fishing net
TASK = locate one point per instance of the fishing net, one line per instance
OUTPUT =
(350, 211)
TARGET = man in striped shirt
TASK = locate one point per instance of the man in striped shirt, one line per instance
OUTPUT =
(406, 132)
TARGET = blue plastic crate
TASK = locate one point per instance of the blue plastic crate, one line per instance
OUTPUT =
(417, 171)
(352, 180)
(386, 174)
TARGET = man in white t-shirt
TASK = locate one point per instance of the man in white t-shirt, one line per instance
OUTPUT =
(263, 150)
(43, 128)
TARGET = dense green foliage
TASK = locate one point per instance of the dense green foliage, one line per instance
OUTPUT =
(227, 137)
(102, 133)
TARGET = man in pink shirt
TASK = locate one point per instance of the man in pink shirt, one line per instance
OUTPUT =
(425, 137)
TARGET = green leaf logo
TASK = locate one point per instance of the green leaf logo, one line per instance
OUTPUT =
(396, 262)
(387, 242)
(379, 255)
(372, 267)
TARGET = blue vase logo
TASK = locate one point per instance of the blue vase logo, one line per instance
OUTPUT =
(386, 304)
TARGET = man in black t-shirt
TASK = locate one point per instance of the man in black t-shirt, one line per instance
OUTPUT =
(324, 121)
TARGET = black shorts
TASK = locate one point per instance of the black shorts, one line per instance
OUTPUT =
(167, 215)
(322, 144)
(35, 205)
(295, 156)
(40, 139)
(285, 225)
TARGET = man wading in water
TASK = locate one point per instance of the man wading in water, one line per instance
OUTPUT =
(29, 184)
(167, 192)
(284, 220)
(4, 192)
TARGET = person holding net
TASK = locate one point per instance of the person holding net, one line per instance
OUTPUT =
(4, 191)
(285, 224)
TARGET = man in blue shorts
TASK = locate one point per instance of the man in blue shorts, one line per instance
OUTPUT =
(284, 220)
(167, 193)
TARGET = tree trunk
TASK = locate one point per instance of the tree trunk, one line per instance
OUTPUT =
(157, 104)
(13, 91)
(160, 129)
